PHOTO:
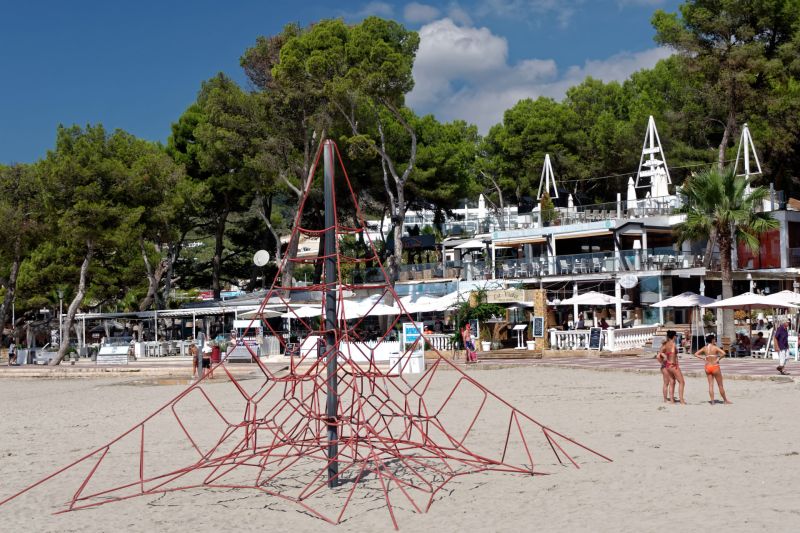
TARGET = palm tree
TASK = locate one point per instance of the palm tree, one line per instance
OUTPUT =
(720, 209)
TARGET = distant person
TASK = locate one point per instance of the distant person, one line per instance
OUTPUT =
(712, 355)
(193, 355)
(670, 353)
(207, 359)
(12, 353)
(760, 342)
(469, 344)
(665, 374)
(580, 324)
(603, 323)
(781, 341)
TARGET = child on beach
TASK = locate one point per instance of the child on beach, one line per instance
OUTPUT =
(670, 354)
(712, 355)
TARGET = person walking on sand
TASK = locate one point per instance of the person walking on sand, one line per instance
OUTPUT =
(666, 376)
(670, 352)
(712, 355)
(469, 344)
(12, 353)
(781, 340)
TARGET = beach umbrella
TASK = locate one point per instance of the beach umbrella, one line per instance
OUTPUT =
(784, 297)
(593, 298)
(691, 300)
(686, 299)
(570, 203)
(471, 245)
(631, 194)
(749, 301)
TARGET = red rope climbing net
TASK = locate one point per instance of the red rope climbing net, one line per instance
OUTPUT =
(401, 436)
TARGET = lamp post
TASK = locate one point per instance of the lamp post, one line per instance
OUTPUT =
(60, 315)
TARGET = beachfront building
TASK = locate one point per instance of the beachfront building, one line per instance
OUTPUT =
(624, 248)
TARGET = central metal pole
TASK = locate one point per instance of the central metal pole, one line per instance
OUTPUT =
(332, 406)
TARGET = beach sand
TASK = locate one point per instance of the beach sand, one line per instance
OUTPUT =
(732, 467)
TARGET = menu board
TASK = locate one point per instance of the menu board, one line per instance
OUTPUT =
(595, 338)
(538, 327)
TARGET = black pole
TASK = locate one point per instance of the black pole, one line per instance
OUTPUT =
(332, 406)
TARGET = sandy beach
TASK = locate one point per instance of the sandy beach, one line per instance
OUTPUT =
(687, 467)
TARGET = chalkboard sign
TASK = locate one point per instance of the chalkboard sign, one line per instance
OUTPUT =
(473, 326)
(538, 327)
(595, 338)
(292, 349)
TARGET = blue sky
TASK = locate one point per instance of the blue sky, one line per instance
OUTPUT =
(138, 65)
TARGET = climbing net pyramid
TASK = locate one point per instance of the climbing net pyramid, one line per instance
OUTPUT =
(339, 423)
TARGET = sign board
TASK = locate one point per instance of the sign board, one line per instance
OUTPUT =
(412, 332)
(507, 296)
(595, 338)
(628, 281)
(538, 327)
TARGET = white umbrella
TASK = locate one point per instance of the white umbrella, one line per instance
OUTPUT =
(471, 244)
(686, 299)
(256, 313)
(748, 300)
(658, 187)
(305, 311)
(631, 198)
(782, 298)
(593, 298)
(570, 203)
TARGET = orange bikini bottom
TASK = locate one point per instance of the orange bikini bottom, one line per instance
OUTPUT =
(712, 369)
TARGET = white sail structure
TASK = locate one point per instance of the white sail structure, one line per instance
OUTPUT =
(744, 152)
(548, 180)
(653, 171)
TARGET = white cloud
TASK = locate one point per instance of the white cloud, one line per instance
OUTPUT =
(463, 72)
(416, 13)
(532, 11)
(623, 3)
(380, 9)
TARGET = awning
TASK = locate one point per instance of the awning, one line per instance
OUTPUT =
(509, 243)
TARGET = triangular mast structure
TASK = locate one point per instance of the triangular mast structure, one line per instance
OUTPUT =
(335, 427)
(743, 152)
(652, 163)
(547, 180)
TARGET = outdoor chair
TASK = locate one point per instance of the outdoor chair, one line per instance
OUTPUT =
(563, 267)
(580, 267)
(535, 269)
(596, 265)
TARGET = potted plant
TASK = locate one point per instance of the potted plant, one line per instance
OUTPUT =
(486, 339)
(548, 210)
(531, 343)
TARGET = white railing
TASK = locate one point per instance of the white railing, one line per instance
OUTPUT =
(612, 340)
(573, 339)
(440, 342)
(358, 352)
(628, 338)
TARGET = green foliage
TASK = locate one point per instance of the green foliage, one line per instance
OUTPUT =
(548, 209)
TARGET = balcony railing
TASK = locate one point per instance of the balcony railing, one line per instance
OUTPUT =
(652, 259)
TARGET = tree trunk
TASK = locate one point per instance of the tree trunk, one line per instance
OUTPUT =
(73, 306)
(11, 288)
(173, 252)
(726, 136)
(726, 273)
(154, 277)
(399, 218)
(712, 241)
(216, 261)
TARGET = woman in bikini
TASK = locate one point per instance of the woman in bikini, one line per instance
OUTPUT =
(667, 378)
(712, 354)
(670, 352)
